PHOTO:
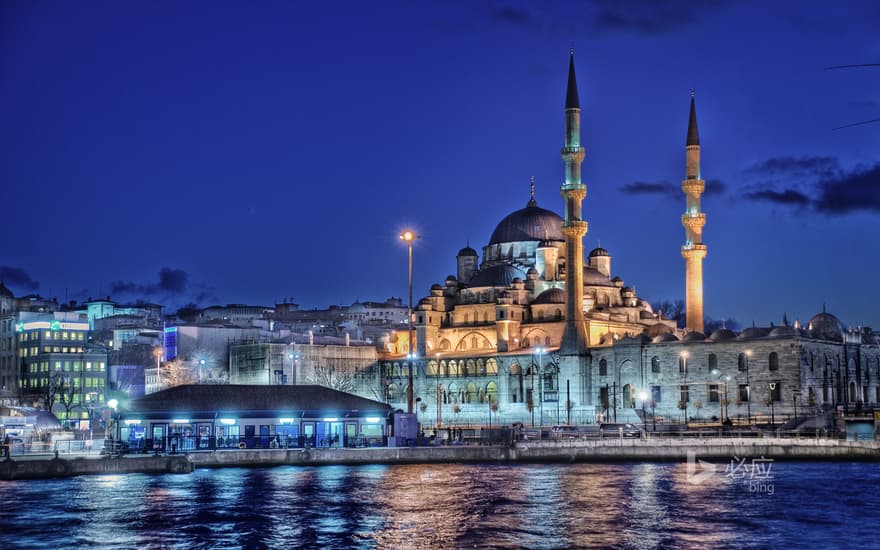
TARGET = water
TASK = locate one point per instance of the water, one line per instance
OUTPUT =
(450, 506)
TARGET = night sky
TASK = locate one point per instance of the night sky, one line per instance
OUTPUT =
(253, 152)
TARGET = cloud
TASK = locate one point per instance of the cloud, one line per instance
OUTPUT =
(650, 16)
(857, 190)
(791, 197)
(514, 16)
(714, 187)
(171, 281)
(795, 167)
(17, 277)
(818, 183)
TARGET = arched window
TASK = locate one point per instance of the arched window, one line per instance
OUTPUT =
(444, 368)
(526, 342)
(432, 368)
(603, 367)
(492, 367)
(452, 393)
(492, 392)
(467, 318)
(444, 344)
(742, 363)
(470, 370)
(557, 314)
(396, 370)
(773, 361)
(475, 343)
(547, 341)
(655, 364)
(713, 362)
(471, 392)
(540, 315)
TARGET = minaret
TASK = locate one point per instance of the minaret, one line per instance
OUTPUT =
(574, 340)
(693, 221)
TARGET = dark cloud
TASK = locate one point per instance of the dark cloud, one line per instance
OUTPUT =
(714, 187)
(18, 278)
(514, 16)
(171, 281)
(796, 167)
(650, 16)
(817, 183)
(790, 197)
(857, 190)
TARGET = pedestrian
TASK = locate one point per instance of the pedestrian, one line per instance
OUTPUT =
(7, 446)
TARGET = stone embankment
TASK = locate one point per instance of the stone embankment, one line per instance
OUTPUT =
(623, 450)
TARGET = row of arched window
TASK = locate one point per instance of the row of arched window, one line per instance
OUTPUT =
(463, 367)
(448, 394)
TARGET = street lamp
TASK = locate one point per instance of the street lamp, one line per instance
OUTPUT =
(409, 237)
(158, 353)
(113, 404)
(748, 389)
(540, 351)
(643, 395)
(683, 356)
(772, 415)
(439, 394)
(202, 364)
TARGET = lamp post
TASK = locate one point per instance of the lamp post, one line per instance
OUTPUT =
(439, 395)
(158, 353)
(113, 404)
(643, 396)
(687, 397)
(748, 389)
(772, 410)
(540, 351)
(409, 237)
(202, 364)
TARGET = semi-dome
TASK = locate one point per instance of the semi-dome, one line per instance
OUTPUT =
(826, 327)
(694, 336)
(593, 276)
(532, 223)
(467, 251)
(598, 251)
(551, 296)
(754, 332)
(722, 334)
(666, 337)
(497, 275)
(783, 331)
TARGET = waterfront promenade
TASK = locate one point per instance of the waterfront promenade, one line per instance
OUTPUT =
(606, 450)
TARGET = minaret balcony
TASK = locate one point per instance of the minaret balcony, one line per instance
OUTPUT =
(693, 187)
(693, 221)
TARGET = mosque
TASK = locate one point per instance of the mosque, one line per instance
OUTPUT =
(534, 334)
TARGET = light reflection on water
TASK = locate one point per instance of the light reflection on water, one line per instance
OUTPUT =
(444, 506)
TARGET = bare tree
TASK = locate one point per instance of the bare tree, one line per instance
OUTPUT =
(331, 378)
(177, 373)
(65, 394)
(672, 309)
(49, 394)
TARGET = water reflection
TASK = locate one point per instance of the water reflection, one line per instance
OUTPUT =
(443, 506)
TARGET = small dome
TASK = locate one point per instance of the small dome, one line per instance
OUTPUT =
(467, 251)
(665, 337)
(551, 296)
(722, 334)
(532, 271)
(357, 307)
(754, 332)
(645, 314)
(593, 276)
(694, 336)
(517, 280)
(436, 286)
(598, 251)
(5, 292)
(529, 224)
(451, 278)
(497, 275)
(825, 326)
(783, 331)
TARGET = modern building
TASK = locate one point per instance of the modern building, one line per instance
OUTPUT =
(10, 308)
(197, 417)
(60, 371)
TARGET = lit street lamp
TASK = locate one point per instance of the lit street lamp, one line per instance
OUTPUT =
(409, 237)
(158, 353)
(540, 351)
(683, 356)
(748, 388)
(772, 410)
(113, 404)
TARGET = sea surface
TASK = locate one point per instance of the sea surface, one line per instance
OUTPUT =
(739, 504)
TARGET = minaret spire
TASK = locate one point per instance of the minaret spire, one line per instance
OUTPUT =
(574, 339)
(693, 221)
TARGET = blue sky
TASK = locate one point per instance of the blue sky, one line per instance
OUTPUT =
(232, 152)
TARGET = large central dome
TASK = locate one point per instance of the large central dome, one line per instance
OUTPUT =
(529, 224)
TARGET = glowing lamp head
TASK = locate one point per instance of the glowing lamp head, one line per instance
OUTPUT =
(643, 395)
(113, 403)
(408, 236)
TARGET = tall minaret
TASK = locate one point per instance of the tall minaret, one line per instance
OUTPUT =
(574, 340)
(693, 221)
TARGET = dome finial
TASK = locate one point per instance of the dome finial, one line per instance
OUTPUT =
(532, 201)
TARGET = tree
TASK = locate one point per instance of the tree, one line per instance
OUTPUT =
(176, 373)
(50, 393)
(673, 310)
(331, 378)
(65, 393)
